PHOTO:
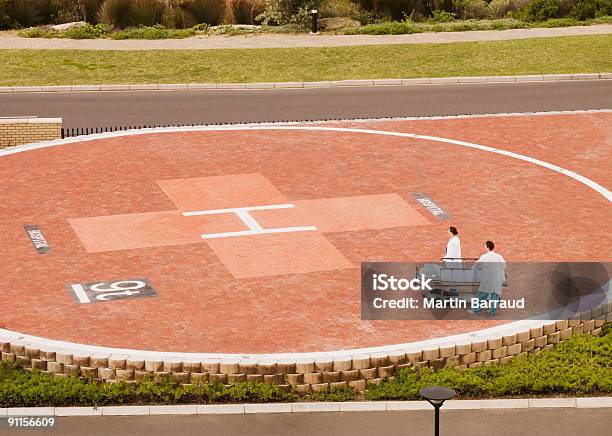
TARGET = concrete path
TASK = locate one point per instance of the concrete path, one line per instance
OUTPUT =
(9, 40)
(502, 422)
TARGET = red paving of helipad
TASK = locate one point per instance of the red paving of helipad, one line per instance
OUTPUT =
(113, 209)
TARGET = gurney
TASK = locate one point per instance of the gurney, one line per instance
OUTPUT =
(452, 279)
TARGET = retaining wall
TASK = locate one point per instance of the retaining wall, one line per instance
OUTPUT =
(18, 131)
(303, 373)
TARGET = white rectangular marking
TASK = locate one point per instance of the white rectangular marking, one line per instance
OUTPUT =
(259, 232)
(250, 222)
(80, 293)
(236, 209)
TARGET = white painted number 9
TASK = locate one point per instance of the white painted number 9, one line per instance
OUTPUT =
(118, 286)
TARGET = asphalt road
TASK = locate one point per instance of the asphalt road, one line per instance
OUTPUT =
(98, 109)
(500, 422)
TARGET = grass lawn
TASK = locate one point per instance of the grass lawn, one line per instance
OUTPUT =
(580, 54)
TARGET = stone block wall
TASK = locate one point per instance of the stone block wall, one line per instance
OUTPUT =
(18, 131)
(303, 373)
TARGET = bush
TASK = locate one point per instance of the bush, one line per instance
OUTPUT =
(210, 12)
(5, 21)
(27, 13)
(340, 393)
(20, 388)
(281, 12)
(580, 365)
(116, 13)
(470, 9)
(146, 12)
(90, 10)
(386, 28)
(588, 9)
(498, 8)
(344, 8)
(153, 32)
(245, 11)
(443, 16)
(541, 10)
(88, 31)
(395, 9)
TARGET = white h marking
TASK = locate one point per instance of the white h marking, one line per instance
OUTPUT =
(254, 227)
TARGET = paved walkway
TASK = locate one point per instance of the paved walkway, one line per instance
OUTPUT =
(535, 422)
(9, 40)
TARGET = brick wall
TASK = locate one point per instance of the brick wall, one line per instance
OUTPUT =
(18, 131)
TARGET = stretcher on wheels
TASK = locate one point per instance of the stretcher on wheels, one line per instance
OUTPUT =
(452, 278)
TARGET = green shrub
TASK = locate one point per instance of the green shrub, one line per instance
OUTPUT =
(559, 22)
(386, 28)
(580, 365)
(588, 9)
(20, 388)
(541, 10)
(281, 12)
(153, 32)
(86, 32)
(470, 9)
(443, 16)
(498, 8)
(339, 393)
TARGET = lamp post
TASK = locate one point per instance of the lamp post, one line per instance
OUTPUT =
(314, 13)
(436, 396)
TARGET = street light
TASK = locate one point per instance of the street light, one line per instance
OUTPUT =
(315, 25)
(436, 396)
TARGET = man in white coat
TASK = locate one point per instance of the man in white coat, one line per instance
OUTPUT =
(490, 268)
(453, 248)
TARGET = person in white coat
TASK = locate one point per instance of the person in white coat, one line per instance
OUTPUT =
(490, 268)
(453, 248)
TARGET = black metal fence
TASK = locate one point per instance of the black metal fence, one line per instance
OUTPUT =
(69, 132)
(78, 131)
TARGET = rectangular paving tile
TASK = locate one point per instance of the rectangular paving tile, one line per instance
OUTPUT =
(365, 212)
(275, 254)
(139, 230)
(221, 192)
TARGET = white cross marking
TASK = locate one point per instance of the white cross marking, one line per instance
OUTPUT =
(254, 227)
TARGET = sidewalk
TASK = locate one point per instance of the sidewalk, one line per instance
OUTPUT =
(503, 422)
(8, 40)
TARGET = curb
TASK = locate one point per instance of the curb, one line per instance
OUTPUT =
(307, 85)
(357, 406)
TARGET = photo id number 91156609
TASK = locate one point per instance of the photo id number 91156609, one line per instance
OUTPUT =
(22, 422)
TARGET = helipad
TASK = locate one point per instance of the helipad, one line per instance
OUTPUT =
(249, 239)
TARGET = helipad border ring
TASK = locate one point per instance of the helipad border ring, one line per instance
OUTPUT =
(583, 180)
(494, 331)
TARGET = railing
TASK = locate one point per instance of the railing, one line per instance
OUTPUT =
(70, 132)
